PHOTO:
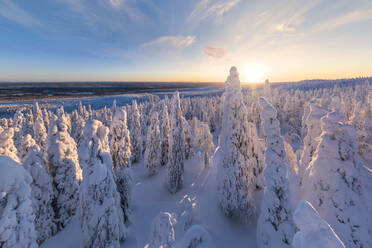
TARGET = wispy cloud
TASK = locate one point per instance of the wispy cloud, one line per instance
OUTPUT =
(208, 8)
(215, 52)
(171, 42)
(9, 10)
(354, 16)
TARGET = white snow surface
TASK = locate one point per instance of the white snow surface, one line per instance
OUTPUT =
(314, 231)
(150, 197)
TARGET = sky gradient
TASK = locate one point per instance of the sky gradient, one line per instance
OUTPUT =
(184, 40)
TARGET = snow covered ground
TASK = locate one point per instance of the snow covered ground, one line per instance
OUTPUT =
(151, 197)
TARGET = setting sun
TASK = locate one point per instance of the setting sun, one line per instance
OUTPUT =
(253, 73)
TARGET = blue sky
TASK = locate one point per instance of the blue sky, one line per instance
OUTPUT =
(184, 40)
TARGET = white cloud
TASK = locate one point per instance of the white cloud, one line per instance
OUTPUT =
(171, 42)
(207, 8)
(215, 52)
(11, 11)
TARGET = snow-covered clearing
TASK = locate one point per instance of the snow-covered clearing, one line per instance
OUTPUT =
(150, 197)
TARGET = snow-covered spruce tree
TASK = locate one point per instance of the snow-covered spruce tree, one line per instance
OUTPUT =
(7, 147)
(333, 182)
(153, 142)
(40, 132)
(312, 123)
(120, 143)
(234, 187)
(63, 165)
(136, 137)
(46, 118)
(121, 153)
(203, 141)
(188, 139)
(27, 143)
(176, 153)
(100, 213)
(162, 233)
(17, 227)
(165, 130)
(275, 227)
(28, 123)
(42, 190)
(314, 231)
(18, 120)
(267, 90)
(77, 126)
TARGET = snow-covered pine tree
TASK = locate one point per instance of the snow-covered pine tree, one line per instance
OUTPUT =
(136, 137)
(333, 182)
(165, 130)
(100, 213)
(203, 141)
(7, 147)
(275, 227)
(46, 118)
(40, 132)
(120, 143)
(235, 190)
(153, 142)
(63, 165)
(18, 120)
(188, 139)
(42, 190)
(314, 231)
(28, 123)
(17, 227)
(312, 123)
(77, 126)
(121, 153)
(176, 153)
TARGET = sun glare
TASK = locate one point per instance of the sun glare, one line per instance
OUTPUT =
(253, 73)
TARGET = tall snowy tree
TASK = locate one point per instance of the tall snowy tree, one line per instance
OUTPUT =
(120, 143)
(176, 153)
(333, 182)
(17, 227)
(235, 190)
(100, 213)
(121, 153)
(136, 137)
(40, 132)
(42, 190)
(165, 130)
(312, 123)
(275, 227)
(314, 231)
(18, 120)
(28, 123)
(77, 126)
(153, 142)
(63, 165)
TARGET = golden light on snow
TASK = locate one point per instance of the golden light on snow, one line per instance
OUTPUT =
(252, 73)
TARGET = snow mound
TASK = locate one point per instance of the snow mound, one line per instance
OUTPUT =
(196, 237)
(162, 232)
(11, 173)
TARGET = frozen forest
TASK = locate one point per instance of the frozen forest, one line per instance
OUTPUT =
(271, 166)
